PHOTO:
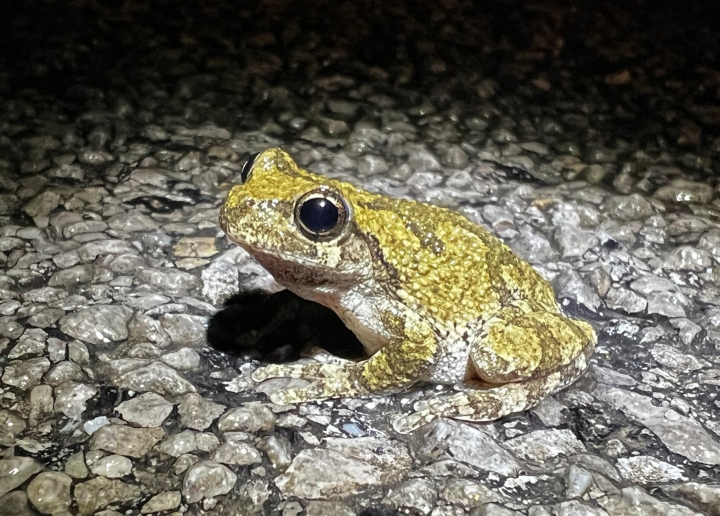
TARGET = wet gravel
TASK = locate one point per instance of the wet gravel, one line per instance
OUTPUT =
(585, 136)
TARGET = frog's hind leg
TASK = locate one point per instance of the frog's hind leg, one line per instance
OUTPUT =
(488, 403)
(520, 357)
(524, 341)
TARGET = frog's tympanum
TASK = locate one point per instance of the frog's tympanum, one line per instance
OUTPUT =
(431, 296)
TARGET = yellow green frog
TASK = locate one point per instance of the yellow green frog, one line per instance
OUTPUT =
(431, 296)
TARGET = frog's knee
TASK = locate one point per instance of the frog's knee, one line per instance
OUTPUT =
(531, 345)
(508, 353)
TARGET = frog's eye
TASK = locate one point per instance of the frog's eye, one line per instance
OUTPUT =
(321, 215)
(246, 170)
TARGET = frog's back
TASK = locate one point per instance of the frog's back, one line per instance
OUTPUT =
(438, 260)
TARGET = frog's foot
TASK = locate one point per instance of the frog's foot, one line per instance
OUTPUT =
(480, 405)
(307, 372)
(326, 381)
(483, 404)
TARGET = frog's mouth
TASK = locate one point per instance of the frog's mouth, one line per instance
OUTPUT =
(296, 273)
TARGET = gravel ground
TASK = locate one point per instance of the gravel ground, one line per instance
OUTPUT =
(587, 138)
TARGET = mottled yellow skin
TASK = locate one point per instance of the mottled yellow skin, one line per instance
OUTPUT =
(432, 297)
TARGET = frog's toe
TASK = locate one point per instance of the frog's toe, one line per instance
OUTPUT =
(411, 422)
(287, 397)
(302, 371)
(327, 373)
(314, 391)
(265, 373)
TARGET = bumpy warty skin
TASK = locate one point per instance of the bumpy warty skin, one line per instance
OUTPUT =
(430, 295)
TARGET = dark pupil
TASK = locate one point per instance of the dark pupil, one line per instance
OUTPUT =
(247, 167)
(319, 215)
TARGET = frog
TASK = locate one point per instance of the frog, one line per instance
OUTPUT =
(433, 297)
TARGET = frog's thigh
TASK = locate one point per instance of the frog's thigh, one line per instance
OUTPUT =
(516, 345)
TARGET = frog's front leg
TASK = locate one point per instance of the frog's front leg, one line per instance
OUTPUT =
(411, 350)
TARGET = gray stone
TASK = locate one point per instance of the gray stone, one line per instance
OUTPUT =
(207, 479)
(541, 445)
(164, 501)
(10, 426)
(235, 451)
(42, 205)
(619, 298)
(185, 359)
(627, 207)
(25, 374)
(95, 494)
(316, 508)
(688, 329)
(78, 352)
(46, 318)
(710, 242)
(76, 467)
(421, 159)
(449, 439)
(673, 358)
(278, 450)
(681, 434)
(83, 227)
(533, 247)
(575, 508)
(156, 377)
(687, 258)
(168, 280)
(344, 467)
(62, 372)
(198, 413)
(220, 280)
(70, 398)
(577, 481)
(100, 324)
(703, 497)
(179, 444)
(251, 417)
(569, 284)
(551, 412)
(493, 509)
(125, 440)
(31, 342)
(651, 284)
(669, 304)
(573, 241)
(143, 328)
(10, 328)
(184, 329)
(371, 165)
(634, 500)
(146, 410)
(72, 276)
(643, 469)
(14, 471)
(419, 494)
(685, 192)
(89, 252)
(467, 493)
(133, 220)
(112, 466)
(16, 503)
